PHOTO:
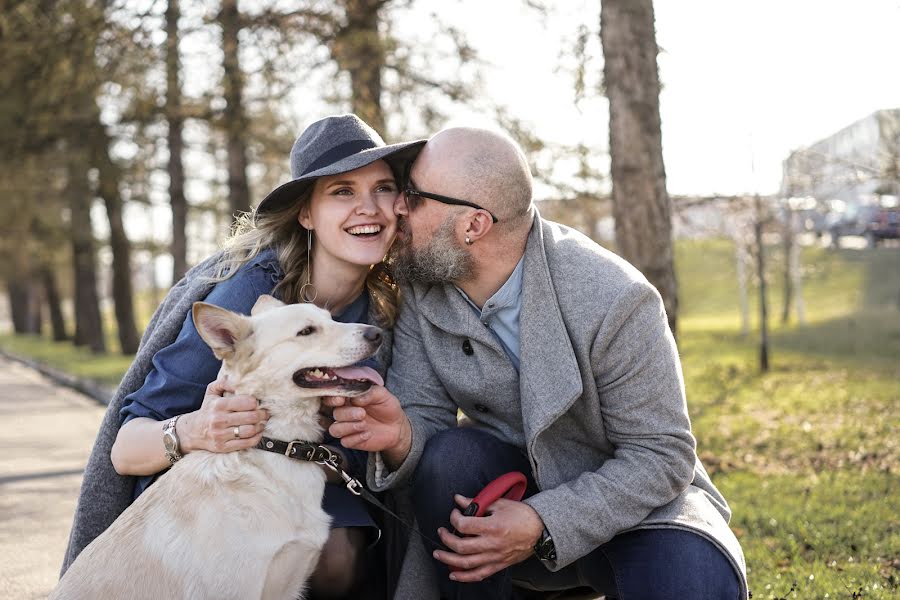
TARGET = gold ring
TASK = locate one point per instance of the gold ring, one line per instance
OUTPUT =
(237, 432)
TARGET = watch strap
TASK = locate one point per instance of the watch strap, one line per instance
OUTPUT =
(173, 450)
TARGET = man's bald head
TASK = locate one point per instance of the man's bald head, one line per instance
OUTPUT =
(480, 166)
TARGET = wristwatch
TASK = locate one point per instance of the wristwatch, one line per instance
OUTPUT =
(170, 441)
(544, 548)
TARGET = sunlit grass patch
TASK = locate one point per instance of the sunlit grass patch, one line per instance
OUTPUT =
(80, 361)
(833, 533)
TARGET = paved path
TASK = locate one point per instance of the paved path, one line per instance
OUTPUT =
(46, 434)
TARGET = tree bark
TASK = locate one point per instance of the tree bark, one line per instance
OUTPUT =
(176, 124)
(641, 204)
(236, 123)
(763, 303)
(25, 305)
(359, 51)
(122, 289)
(88, 324)
(54, 304)
(788, 246)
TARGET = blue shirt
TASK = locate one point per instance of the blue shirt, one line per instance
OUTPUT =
(176, 384)
(501, 312)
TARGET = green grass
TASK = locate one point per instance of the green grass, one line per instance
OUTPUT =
(808, 454)
(107, 368)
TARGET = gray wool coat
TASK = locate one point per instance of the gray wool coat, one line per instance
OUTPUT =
(599, 404)
(104, 493)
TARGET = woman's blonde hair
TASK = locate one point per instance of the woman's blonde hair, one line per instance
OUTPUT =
(280, 230)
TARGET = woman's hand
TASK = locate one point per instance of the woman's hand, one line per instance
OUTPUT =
(222, 423)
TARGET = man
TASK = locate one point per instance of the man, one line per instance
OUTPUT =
(559, 354)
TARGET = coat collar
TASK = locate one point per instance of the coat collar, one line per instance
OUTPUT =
(549, 377)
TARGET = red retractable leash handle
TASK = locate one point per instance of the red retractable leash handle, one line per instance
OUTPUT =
(510, 485)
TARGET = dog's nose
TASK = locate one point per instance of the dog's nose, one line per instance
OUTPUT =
(372, 334)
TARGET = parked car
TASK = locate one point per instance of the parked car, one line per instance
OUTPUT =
(883, 224)
(874, 223)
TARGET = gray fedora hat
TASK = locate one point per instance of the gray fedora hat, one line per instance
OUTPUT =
(333, 145)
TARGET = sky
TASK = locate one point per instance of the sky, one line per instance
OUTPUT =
(744, 83)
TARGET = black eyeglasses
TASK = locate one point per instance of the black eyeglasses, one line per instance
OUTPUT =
(410, 192)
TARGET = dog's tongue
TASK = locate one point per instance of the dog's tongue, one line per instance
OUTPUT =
(365, 373)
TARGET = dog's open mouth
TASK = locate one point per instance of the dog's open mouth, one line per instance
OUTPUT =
(349, 379)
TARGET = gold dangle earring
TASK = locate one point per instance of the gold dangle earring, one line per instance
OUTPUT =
(308, 288)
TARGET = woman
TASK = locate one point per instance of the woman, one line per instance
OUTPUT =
(314, 239)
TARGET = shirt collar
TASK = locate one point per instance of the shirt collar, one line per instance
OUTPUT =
(508, 295)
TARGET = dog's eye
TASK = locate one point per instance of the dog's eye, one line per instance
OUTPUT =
(306, 331)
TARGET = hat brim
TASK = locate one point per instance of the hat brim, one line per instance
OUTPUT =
(287, 193)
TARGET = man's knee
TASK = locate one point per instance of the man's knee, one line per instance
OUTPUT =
(338, 568)
(683, 564)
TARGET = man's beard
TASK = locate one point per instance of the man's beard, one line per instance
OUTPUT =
(443, 259)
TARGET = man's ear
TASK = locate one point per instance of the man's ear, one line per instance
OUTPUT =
(478, 225)
(221, 329)
(264, 303)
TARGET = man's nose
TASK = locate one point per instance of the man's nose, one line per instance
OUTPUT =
(400, 207)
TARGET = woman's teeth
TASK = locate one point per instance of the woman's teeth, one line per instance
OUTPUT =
(360, 229)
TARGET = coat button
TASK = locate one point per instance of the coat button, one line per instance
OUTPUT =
(467, 348)
(481, 408)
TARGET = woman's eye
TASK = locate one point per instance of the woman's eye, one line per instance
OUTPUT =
(343, 192)
(386, 189)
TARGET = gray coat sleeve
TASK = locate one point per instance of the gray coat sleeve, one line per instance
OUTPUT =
(422, 395)
(639, 382)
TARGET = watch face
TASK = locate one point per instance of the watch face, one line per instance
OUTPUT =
(169, 441)
(545, 549)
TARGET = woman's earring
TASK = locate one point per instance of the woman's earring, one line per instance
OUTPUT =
(308, 291)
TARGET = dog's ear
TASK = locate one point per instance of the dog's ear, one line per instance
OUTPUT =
(221, 329)
(264, 303)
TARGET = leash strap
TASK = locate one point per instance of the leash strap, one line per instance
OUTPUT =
(322, 455)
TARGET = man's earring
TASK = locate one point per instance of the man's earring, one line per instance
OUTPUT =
(468, 241)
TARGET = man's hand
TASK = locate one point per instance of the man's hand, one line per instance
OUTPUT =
(374, 422)
(502, 538)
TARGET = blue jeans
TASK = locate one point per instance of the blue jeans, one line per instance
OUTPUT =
(650, 564)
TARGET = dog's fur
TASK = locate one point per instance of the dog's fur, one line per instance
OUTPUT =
(245, 524)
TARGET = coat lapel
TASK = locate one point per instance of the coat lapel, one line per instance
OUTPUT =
(549, 378)
(445, 308)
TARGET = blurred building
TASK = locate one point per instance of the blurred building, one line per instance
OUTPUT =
(854, 166)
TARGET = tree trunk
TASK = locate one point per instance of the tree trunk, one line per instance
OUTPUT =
(25, 305)
(741, 263)
(122, 289)
(763, 303)
(797, 279)
(88, 325)
(359, 51)
(641, 204)
(235, 119)
(176, 124)
(54, 304)
(788, 245)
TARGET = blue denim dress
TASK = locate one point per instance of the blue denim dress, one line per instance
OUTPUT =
(177, 382)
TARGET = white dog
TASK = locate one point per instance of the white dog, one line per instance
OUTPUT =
(246, 524)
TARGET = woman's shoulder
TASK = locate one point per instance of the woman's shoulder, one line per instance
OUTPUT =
(255, 277)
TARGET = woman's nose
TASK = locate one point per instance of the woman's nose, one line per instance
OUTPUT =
(367, 205)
